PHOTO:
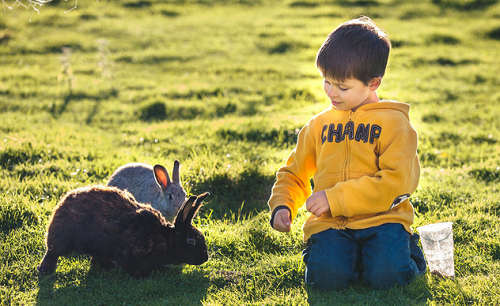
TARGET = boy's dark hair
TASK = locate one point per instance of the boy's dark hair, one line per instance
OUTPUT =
(355, 49)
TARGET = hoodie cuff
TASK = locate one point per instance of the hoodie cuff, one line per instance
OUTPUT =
(276, 210)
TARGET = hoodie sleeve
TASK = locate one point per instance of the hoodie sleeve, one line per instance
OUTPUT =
(396, 180)
(292, 186)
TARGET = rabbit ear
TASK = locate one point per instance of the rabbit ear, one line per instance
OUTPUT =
(183, 212)
(194, 209)
(161, 176)
(176, 178)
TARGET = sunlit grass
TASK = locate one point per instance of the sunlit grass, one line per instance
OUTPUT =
(224, 87)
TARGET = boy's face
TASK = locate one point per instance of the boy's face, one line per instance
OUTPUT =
(351, 93)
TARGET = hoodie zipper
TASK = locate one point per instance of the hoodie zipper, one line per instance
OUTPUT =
(347, 151)
(345, 170)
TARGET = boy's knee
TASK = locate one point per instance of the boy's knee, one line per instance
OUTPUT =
(328, 278)
(387, 276)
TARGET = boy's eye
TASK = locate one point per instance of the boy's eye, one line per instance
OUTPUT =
(342, 88)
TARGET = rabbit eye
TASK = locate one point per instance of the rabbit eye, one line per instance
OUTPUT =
(191, 240)
(170, 197)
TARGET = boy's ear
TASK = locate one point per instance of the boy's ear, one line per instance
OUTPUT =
(375, 83)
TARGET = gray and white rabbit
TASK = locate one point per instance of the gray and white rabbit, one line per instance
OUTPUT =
(152, 185)
(108, 224)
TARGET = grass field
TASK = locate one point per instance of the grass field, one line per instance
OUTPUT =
(224, 86)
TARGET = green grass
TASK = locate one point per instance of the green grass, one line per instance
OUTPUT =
(224, 86)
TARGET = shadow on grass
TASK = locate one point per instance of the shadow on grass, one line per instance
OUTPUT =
(415, 293)
(78, 96)
(244, 195)
(165, 286)
(58, 110)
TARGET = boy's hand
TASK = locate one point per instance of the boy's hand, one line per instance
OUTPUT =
(282, 221)
(317, 204)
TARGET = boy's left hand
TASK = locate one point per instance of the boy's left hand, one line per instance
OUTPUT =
(317, 204)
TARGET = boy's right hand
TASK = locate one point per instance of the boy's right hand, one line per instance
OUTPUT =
(282, 221)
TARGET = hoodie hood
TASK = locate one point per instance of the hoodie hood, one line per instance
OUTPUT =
(387, 105)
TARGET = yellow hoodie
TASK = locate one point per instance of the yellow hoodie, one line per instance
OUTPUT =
(366, 162)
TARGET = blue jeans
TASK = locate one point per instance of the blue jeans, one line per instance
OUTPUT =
(382, 256)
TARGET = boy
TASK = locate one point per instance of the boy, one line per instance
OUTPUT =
(362, 156)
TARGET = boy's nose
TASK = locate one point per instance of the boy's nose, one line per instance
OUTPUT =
(332, 93)
(329, 89)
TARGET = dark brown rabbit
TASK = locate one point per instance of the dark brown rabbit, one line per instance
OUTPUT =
(112, 227)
